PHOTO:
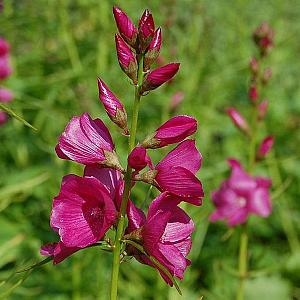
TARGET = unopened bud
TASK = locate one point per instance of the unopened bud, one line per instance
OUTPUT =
(238, 120)
(4, 47)
(262, 109)
(176, 100)
(146, 29)
(153, 50)
(265, 147)
(253, 94)
(254, 66)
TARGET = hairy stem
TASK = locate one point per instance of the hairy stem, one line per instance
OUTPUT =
(127, 188)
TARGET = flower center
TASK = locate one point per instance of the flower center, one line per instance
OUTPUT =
(241, 201)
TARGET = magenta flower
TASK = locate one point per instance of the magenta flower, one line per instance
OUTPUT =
(262, 109)
(114, 108)
(58, 251)
(173, 131)
(146, 29)
(83, 211)
(5, 69)
(176, 173)
(165, 234)
(265, 147)
(238, 120)
(153, 50)
(5, 95)
(4, 47)
(240, 196)
(252, 93)
(126, 59)
(125, 26)
(157, 77)
(138, 159)
(3, 117)
(87, 141)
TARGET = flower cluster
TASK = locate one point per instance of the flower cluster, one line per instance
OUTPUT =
(243, 194)
(88, 206)
(5, 71)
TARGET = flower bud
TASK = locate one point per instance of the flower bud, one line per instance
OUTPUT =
(265, 147)
(263, 37)
(254, 66)
(125, 26)
(146, 30)
(262, 109)
(238, 120)
(173, 131)
(5, 95)
(157, 77)
(267, 75)
(252, 93)
(176, 100)
(5, 69)
(3, 117)
(153, 50)
(114, 108)
(126, 59)
(138, 159)
(4, 47)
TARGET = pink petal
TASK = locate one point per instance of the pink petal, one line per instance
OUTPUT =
(138, 159)
(260, 202)
(136, 217)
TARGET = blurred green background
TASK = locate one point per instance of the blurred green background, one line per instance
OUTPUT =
(58, 50)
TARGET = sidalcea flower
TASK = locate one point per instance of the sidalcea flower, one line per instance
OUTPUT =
(176, 100)
(125, 26)
(5, 95)
(240, 196)
(4, 47)
(146, 29)
(83, 211)
(238, 120)
(126, 59)
(5, 69)
(87, 141)
(262, 109)
(138, 159)
(3, 117)
(176, 173)
(153, 50)
(173, 131)
(252, 93)
(158, 76)
(265, 147)
(165, 235)
(114, 108)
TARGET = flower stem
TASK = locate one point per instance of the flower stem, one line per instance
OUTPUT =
(243, 264)
(127, 188)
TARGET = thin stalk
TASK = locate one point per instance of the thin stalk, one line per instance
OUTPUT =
(127, 188)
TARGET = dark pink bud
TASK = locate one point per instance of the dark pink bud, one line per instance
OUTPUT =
(126, 59)
(5, 95)
(265, 147)
(267, 75)
(113, 106)
(153, 50)
(125, 26)
(254, 66)
(176, 100)
(159, 76)
(262, 109)
(4, 47)
(173, 131)
(264, 38)
(238, 120)
(253, 94)
(3, 118)
(146, 29)
(138, 159)
(5, 69)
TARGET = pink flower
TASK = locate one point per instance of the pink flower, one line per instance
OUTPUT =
(165, 234)
(176, 100)
(114, 108)
(3, 117)
(138, 159)
(4, 47)
(126, 59)
(58, 250)
(83, 211)
(5, 95)
(253, 94)
(125, 26)
(241, 195)
(153, 50)
(262, 109)
(146, 29)
(173, 131)
(159, 76)
(265, 147)
(238, 120)
(5, 69)
(87, 141)
(176, 173)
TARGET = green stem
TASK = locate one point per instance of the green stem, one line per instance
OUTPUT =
(127, 188)
(243, 264)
